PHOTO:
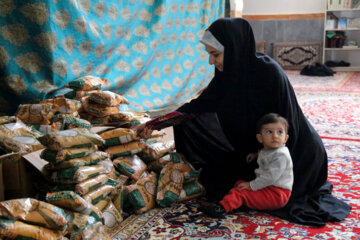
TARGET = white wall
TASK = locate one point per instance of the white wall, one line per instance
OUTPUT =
(273, 7)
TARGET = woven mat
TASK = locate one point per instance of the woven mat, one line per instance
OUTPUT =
(296, 55)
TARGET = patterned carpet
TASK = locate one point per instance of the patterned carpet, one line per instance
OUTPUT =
(335, 115)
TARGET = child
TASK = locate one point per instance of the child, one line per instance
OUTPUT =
(271, 189)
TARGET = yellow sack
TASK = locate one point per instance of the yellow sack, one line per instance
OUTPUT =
(73, 202)
(64, 105)
(112, 217)
(191, 190)
(156, 150)
(35, 212)
(76, 174)
(102, 203)
(19, 230)
(36, 113)
(95, 231)
(126, 149)
(119, 136)
(91, 159)
(108, 98)
(77, 221)
(131, 166)
(118, 199)
(142, 194)
(169, 185)
(122, 116)
(98, 110)
(91, 184)
(190, 174)
(79, 94)
(87, 83)
(76, 137)
(68, 122)
(7, 119)
(99, 193)
(57, 156)
(17, 137)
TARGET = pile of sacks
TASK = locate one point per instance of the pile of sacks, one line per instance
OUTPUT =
(29, 218)
(83, 177)
(52, 115)
(101, 107)
(158, 176)
(17, 139)
(98, 178)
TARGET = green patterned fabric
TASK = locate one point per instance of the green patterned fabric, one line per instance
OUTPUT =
(149, 50)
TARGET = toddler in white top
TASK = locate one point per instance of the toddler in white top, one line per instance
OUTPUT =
(271, 189)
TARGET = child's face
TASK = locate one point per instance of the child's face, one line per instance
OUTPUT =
(272, 135)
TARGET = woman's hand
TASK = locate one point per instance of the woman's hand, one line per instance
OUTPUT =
(250, 157)
(243, 185)
(143, 131)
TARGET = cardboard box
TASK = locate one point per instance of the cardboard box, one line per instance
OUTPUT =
(2, 197)
(17, 178)
(20, 173)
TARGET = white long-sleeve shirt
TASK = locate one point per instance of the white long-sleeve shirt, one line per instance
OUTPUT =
(275, 169)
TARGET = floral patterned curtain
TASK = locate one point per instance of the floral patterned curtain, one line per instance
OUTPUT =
(149, 50)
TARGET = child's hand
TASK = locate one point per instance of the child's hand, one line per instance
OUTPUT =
(143, 131)
(243, 185)
(250, 157)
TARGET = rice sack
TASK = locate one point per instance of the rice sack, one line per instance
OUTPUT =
(57, 156)
(87, 83)
(131, 166)
(73, 202)
(18, 230)
(76, 137)
(169, 185)
(142, 194)
(35, 212)
(108, 98)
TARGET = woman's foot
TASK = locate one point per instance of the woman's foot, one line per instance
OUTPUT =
(213, 210)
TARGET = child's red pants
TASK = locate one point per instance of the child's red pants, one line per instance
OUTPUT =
(267, 198)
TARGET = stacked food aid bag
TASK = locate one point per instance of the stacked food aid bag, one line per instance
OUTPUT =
(81, 87)
(29, 218)
(158, 176)
(52, 115)
(16, 138)
(83, 176)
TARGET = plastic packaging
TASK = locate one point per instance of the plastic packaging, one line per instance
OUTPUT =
(131, 166)
(35, 212)
(76, 174)
(72, 201)
(71, 138)
(19, 230)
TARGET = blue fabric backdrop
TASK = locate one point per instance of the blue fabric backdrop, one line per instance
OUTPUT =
(149, 50)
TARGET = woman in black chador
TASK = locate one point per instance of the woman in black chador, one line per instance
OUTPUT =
(220, 126)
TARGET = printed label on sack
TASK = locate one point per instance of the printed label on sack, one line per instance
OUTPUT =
(65, 109)
(45, 129)
(24, 139)
(109, 219)
(36, 108)
(150, 187)
(125, 139)
(67, 133)
(13, 126)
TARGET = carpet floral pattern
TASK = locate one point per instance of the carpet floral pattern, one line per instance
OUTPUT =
(335, 115)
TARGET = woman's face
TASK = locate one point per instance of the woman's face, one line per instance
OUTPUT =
(216, 57)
